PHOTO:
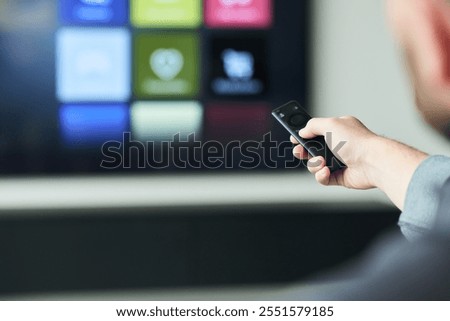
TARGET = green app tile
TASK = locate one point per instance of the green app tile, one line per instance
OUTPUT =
(166, 13)
(166, 65)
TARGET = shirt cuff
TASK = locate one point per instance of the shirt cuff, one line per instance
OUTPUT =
(422, 196)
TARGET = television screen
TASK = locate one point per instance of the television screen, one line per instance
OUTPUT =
(106, 86)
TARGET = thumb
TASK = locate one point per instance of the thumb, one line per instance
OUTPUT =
(314, 127)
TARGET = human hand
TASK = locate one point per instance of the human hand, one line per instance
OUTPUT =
(350, 140)
(372, 160)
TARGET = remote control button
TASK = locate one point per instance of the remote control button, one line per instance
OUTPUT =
(298, 120)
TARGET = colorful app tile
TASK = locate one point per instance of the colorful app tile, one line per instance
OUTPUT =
(238, 13)
(161, 121)
(166, 65)
(93, 65)
(226, 122)
(93, 12)
(166, 13)
(90, 125)
(239, 66)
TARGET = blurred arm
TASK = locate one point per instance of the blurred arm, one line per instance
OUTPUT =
(423, 195)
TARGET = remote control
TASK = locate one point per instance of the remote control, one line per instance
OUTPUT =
(293, 117)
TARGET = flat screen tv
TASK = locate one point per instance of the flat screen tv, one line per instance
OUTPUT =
(118, 86)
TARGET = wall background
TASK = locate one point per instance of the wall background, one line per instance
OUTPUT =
(358, 70)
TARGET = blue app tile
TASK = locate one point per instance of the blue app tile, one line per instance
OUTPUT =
(93, 12)
(93, 65)
(91, 125)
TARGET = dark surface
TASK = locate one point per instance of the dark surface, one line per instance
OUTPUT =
(202, 247)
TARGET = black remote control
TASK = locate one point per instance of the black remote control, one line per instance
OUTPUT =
(293, 117)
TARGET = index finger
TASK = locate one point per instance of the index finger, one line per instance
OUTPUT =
(294, 140)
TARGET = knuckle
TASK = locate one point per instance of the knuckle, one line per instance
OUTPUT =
(349, 118)
(333, 122)
(353, 120)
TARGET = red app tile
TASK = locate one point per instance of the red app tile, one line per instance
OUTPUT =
(238, 13)
(225, 122)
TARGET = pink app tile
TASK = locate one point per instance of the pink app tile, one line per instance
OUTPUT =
(238, 13)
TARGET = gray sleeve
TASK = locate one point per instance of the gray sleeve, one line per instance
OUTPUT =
(422, 197)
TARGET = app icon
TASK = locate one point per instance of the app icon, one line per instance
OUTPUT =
(166, 65)
(97, 2)
(238, 13)
(166, 13)
(225, 122)
(93, 65)
(161, 121)
(93, 12)
(92, 125)
(239, 66)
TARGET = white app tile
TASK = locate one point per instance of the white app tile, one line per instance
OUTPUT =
(93, 64)
(161, 121)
